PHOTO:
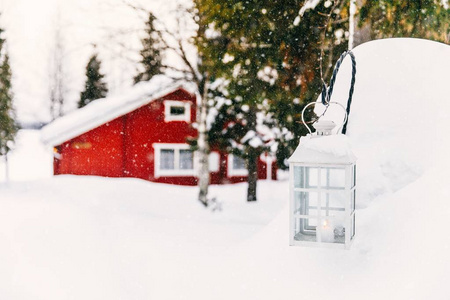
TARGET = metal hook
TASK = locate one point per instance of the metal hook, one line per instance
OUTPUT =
(329, 103)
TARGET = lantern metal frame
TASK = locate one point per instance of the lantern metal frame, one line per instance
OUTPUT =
(348, 192)
(313, 229)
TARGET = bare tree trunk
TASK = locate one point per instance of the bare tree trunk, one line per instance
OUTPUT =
(351, 25)
(203, 146)
(6, 169)
(252, 167)
(252, 160)
(56, 68)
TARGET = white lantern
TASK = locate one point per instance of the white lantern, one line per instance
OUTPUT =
(322, 189)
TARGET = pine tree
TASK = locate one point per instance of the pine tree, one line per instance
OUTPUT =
(151, 52)
(427, 19)
(267, 60)
(8, 126)
(95, 87)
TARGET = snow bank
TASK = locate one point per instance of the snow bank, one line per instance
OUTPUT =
(29, 160)
(86, 237)
(400, 103)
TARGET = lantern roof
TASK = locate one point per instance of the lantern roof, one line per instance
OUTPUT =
(332, 149)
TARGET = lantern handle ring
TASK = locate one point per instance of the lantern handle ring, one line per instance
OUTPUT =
(326, 108)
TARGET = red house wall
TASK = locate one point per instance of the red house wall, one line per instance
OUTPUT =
(124, 147)
(146, 126)
(96, 152)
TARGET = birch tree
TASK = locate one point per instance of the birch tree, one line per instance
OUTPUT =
(181, 41)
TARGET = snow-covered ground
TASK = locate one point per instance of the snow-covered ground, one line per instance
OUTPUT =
(73, 237)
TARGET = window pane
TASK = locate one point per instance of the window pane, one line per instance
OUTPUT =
(335, 200)
(167, 159)
(299, 177)
(238, 163)
(305, 229)
(353, 176)
(306, 203)
(332, 231)
(353, 227)
(312, 176)
(177, 110)
(186, 160)
(352, 208)
(336, 178)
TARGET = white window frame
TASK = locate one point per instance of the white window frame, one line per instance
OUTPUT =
(176, 171)
(214, 162)
(234, 172)
(186, 117)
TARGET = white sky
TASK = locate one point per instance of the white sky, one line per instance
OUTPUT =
(30, 28)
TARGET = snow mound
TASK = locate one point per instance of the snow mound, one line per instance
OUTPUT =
(398, 115)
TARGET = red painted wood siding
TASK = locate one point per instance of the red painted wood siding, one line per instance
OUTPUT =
(146, 126)
(124, 147)
(96, 152)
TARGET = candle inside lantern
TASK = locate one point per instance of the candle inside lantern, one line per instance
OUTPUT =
(327, 232)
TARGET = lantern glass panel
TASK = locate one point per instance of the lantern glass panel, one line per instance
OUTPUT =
(352, 205)
(305, 229)
(330, 232)
(352, 232)
(353, 176)
(312, 177)
(299, 177)
(333, 201)
(306, 203)
(332, 178)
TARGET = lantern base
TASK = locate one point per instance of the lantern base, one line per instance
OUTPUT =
(313, 238)
(311, 241)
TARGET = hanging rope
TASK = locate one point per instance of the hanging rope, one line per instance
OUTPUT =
(328, 91)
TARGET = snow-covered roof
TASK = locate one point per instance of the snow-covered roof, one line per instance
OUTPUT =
(107, 109)
(332, 149)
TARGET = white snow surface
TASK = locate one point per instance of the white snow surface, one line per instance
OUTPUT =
(75, 237)
(80, 237)
(101, 111)
(332, 149)
(336, 145)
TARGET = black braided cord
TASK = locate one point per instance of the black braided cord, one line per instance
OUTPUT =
(327, 92)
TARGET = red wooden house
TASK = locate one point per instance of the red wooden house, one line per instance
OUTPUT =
(141, 134)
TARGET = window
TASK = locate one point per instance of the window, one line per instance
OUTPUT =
(236, 166)
(167, 159)
(177, 111)
(186, 160)
(173, 160)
